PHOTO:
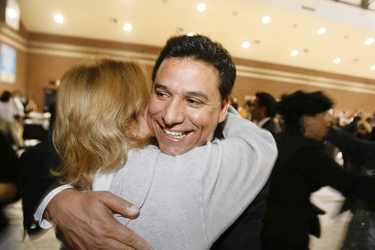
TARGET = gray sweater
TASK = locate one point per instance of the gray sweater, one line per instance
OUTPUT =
(187, 201)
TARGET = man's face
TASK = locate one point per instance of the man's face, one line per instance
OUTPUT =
(185, 105)
(255, 110)
(316, 126)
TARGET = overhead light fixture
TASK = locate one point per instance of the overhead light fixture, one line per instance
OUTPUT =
(11, 13)
(337, 60)
(127, 27)
(201, 7)
(373, 67)
(59, 18)
(369, 41)
(245, 44)
(190, 34)
(321, 31)
(294, 52)
(266, 19)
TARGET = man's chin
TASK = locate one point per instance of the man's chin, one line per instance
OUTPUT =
(173, 150)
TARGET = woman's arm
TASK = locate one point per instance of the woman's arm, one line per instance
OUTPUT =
(359, 149)
(234, 171)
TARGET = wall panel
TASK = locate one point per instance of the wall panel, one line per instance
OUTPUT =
(42, 58)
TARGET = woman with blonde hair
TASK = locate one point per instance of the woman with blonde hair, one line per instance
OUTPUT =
(100, 109)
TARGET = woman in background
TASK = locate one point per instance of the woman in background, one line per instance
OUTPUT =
(303, 167)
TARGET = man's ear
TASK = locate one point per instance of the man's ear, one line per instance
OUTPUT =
(224, 109)
(306, 119)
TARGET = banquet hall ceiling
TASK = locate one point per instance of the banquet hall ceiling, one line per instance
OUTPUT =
(293, 26)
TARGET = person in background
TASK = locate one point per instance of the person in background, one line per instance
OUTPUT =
(303, 167)
(263, 111)
(248, 107)
(363, 130)
(19, 110)
(361, 230)
(31, 106)
(9, 178)
(234, 102)
(11, 114)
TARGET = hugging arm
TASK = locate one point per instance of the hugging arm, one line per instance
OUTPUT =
(237, 169)
(83, 220)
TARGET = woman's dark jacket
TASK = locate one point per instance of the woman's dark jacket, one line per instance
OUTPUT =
(303, 167)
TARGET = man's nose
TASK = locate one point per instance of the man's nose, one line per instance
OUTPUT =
(174, 112)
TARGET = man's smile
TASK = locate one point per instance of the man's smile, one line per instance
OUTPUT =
(174, 134)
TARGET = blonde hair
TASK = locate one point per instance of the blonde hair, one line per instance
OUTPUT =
(98, 104)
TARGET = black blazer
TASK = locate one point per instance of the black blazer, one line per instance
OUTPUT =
(303, 167)
(36, 179)
(244, 233)
(272, 126)
(9, 169)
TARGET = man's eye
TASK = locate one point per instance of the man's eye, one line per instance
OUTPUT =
(161, 94)
(193, 102)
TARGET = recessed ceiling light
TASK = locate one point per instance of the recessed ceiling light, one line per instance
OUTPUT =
(321, 31)
(266, 19)
(337, 60)
(128, 27)
(294, 52)
(11, 13)
(373, 67)
(59, 18)
(369, 41)
(201, 7)
(245, 44)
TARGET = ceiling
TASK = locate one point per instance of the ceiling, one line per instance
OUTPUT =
(293, 26)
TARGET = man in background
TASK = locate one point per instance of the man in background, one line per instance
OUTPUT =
(264, 111)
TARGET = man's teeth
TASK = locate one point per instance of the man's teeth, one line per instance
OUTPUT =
(175, 134)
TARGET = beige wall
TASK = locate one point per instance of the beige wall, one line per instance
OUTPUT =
(42, 58)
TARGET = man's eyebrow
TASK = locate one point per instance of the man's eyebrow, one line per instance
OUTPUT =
(160, 86)
(196, 94)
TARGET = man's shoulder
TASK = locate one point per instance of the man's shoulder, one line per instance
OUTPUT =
(272, 126)
(43, 152)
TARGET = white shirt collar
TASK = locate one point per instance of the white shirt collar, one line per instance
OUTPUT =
(262, 122)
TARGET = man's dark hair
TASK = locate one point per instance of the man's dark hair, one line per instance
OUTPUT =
(292, 107)
(204, 49)
(268, 101)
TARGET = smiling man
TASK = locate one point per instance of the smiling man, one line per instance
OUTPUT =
(193, 78)
(185, 105)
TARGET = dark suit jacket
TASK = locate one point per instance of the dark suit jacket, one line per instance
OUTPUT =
(245, 232)
(9, 169)
(303, 167)
(36, 179)
(272, 126)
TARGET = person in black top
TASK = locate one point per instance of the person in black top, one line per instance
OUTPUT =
(303, 167)
(9, 178)
(264, 111)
